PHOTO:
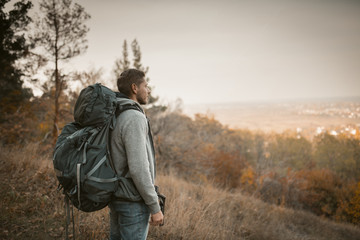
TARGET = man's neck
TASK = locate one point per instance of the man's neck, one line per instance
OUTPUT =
(133, 97)
(121, 95)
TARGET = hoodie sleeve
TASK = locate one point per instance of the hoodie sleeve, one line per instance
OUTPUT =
(134, 135)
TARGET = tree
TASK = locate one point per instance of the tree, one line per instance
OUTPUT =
(13, 47)
(86, 78)
(123, 64)
(227, 169)
(338, 153)
(137, 57)
(354, 206)
(62, 34)
(321, 191)
(290, 151)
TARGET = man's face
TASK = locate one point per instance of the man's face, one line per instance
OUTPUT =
(143, 92)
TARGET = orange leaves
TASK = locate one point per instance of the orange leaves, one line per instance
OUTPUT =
(321, 191)
(14, 126)
(227, 168)
(353, 210)
(248, 179)
(278, 168)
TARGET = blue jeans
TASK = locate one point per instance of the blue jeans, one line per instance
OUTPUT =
(129, 220)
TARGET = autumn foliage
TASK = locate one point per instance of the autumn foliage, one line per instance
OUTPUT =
(35, 210)
(319, 175)
(316, 175)
(353, 206)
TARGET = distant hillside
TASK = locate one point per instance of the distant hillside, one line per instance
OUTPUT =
(32, 208)
(309, 116)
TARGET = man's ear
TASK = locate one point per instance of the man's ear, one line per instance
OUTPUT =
(134, 88)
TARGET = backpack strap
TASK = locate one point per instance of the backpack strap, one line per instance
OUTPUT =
(68, 215)
(152, 144)
(119, 110)
(90, 173)
(123, 108)
(129, 106)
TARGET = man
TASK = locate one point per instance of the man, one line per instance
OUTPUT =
(133, 154)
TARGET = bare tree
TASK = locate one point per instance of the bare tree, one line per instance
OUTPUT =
(86, 78)
(61, 32)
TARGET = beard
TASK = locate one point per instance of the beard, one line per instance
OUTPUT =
(142, 99)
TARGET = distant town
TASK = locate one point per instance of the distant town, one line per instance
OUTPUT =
(307, 118)
(342, 109)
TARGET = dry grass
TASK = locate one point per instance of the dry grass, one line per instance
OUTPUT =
(203, 212)
(31, 208)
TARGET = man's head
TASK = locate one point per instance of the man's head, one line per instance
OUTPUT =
(132, 83)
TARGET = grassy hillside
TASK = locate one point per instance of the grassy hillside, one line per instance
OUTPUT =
(32, 208)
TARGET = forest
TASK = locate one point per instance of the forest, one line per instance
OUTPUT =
(320, 176)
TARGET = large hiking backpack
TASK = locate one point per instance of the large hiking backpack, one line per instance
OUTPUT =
(81, 159)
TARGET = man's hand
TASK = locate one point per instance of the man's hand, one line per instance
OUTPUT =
(156, 219)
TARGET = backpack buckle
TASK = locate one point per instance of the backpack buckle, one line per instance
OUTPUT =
(60, 187)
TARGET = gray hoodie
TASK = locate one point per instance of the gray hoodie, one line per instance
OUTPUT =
(131, 146)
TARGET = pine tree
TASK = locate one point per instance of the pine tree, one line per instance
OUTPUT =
(62, 34)
(123, 63)
(13, 47)
(137, 57)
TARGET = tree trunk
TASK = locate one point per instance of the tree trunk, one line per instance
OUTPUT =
(56, 98)
(57, 82)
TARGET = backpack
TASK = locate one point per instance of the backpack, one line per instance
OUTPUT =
(82, 160)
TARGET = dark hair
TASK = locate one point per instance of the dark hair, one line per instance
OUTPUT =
(127, 78)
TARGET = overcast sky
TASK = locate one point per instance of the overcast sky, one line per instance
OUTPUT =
(206, 51)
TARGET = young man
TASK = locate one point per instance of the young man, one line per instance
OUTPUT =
(133, 154)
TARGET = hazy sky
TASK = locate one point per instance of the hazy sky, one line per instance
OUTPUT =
(206, 51)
